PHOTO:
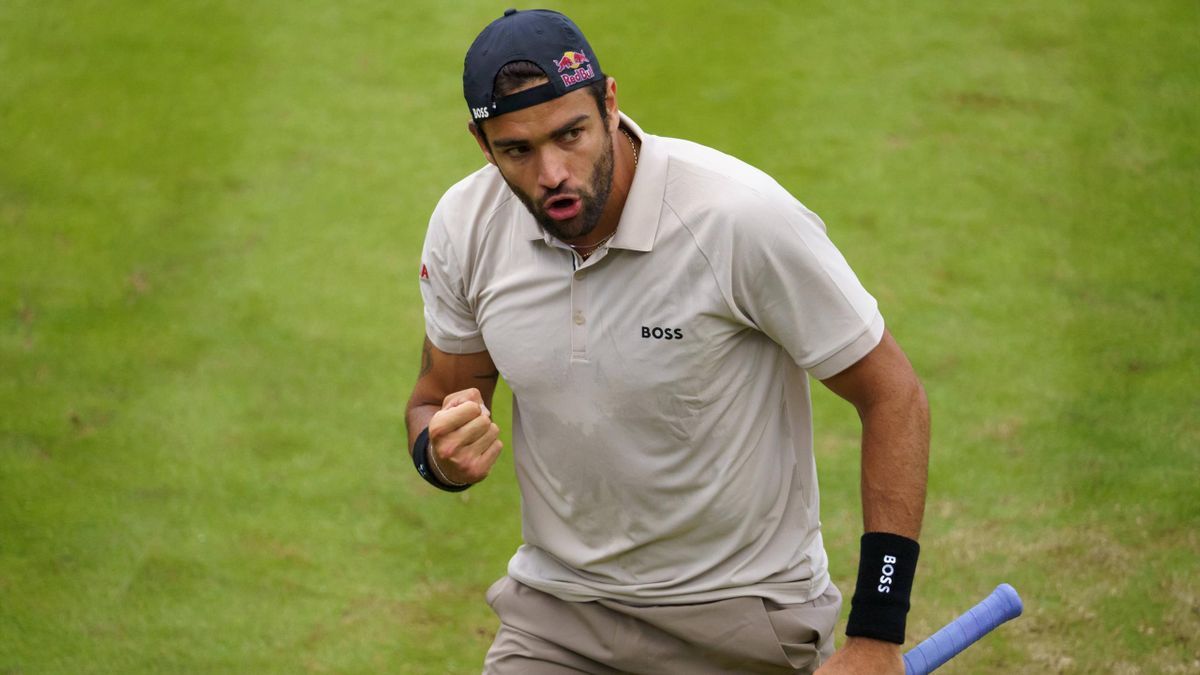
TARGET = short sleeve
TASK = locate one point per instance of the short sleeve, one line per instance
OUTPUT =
(798, 289)
(449, 315)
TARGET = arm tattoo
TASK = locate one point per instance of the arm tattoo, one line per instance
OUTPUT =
(426, 358)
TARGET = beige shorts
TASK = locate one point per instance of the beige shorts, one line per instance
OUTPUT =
(540, 634)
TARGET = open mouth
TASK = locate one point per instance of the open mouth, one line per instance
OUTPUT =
(563, 207)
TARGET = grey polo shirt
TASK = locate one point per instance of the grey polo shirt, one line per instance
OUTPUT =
(662, 427)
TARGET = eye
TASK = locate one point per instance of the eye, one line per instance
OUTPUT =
(517, 151)
(572, 134)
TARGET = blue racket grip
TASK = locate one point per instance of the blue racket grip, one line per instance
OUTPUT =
(1003, 604)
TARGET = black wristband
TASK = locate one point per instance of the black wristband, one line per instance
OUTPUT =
(886, 567)
(420, 456)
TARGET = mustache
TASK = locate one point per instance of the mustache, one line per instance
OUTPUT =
(560, 192)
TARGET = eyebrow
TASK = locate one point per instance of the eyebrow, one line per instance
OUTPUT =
(512, 142)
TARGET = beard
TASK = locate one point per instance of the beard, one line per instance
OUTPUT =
(593, 199)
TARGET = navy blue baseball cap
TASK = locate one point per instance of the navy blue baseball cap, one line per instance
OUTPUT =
(545, 37)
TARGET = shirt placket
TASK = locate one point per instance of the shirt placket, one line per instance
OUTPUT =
(580, 309)
(579, 314)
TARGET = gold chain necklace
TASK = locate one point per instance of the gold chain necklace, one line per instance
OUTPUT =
(586, 247)
(632, 146)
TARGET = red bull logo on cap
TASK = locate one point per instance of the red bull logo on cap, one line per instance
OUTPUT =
(571, 61)
(571, 68)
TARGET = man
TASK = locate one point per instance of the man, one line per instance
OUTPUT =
(656, 308)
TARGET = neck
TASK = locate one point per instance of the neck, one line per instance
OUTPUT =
(610, 217)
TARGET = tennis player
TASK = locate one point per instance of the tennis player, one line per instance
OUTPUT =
(657, 308)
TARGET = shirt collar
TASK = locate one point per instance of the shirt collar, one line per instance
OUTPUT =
(643, 206)
(639, 218)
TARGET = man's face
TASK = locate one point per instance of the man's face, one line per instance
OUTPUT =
(557, 157)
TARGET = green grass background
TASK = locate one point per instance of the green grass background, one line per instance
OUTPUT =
(210, 221)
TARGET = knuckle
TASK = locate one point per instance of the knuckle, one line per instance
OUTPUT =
(437, 427)
(446, 445)
(441, 426)
(471, 428)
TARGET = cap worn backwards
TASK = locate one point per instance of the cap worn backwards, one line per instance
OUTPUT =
(542, 36)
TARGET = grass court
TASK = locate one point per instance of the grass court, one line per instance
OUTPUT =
(211, 215)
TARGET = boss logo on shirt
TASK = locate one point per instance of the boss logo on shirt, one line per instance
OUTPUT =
(656, 333)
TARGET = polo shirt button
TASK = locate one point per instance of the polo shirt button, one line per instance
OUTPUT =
(578, 318)
(579, 276)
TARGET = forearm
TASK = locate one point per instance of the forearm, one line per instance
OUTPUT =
(442, 376)
(895, 456)
(417, 417)
(895, 460)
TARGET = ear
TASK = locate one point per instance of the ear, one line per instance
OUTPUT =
(610, 102)
(483, 144)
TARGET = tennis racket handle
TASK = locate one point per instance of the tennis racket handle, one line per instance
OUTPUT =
(1003, 604)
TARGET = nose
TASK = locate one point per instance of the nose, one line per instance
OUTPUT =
(552, 168)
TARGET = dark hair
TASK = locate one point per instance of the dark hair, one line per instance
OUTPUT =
(519, 74)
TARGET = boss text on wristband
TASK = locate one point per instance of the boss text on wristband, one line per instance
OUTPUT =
(886, 567)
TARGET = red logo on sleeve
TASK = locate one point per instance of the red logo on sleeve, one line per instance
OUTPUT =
(424, 272)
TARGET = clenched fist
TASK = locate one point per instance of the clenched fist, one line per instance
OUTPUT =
(463, 441)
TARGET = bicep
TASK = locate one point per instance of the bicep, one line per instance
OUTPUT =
(883, 374)
(443, 373)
